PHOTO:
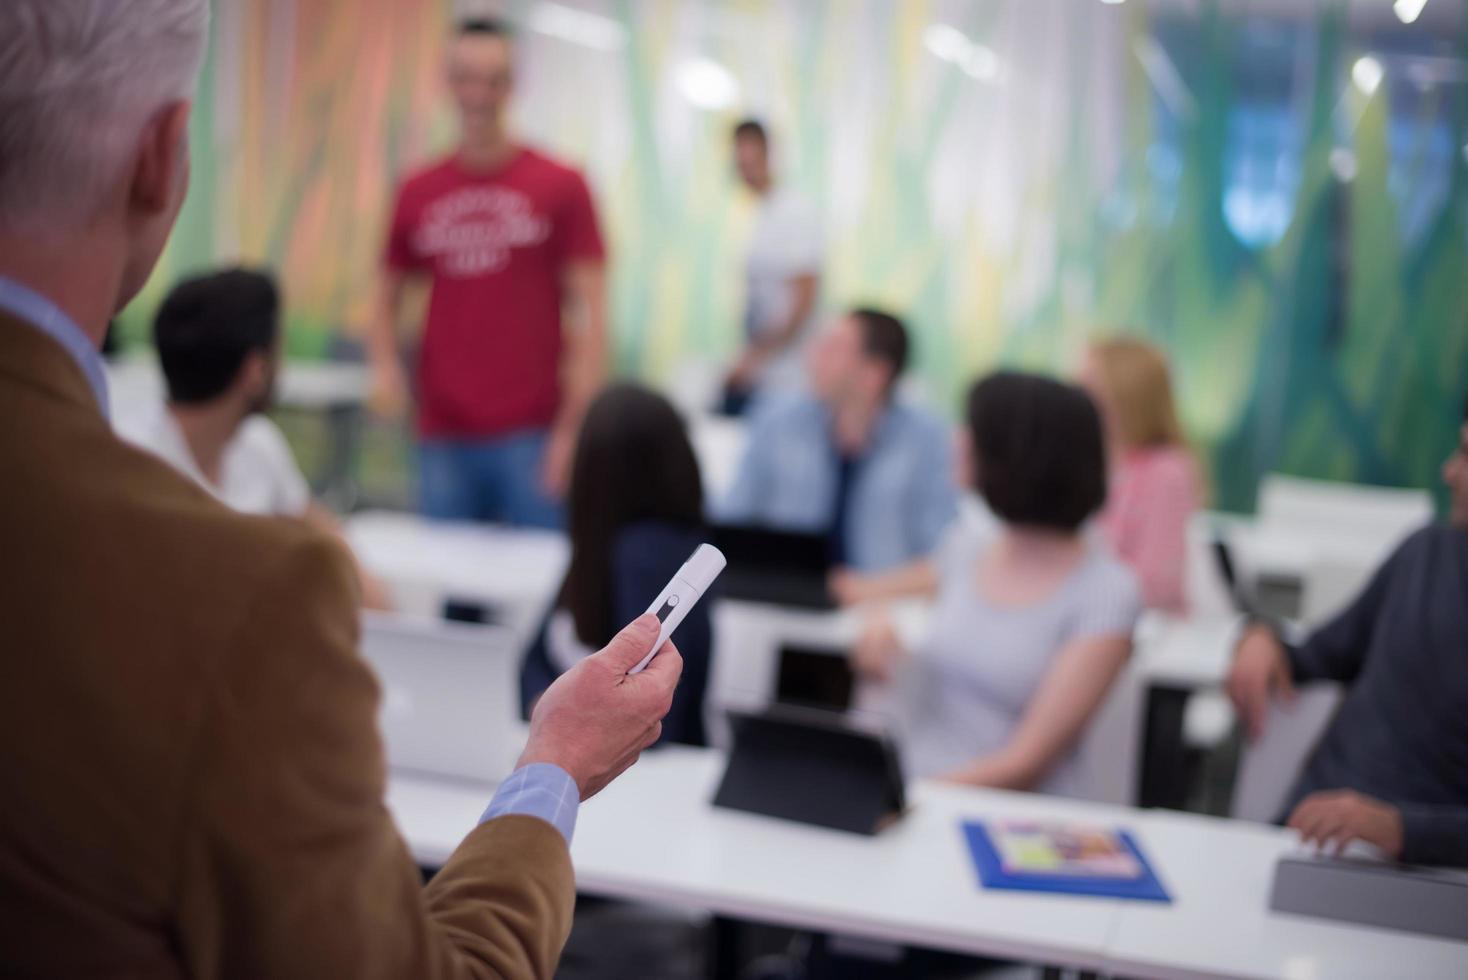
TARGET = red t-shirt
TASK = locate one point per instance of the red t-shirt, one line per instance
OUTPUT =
(496, 245)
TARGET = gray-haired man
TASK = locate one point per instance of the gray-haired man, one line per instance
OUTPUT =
(193, 783)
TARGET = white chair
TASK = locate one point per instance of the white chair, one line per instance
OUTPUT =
(1111, 747)
(1329, 587)
(1382, 514)
(695, 386)
(1208, 594)
(450, 699)
(719, 444)
(1271, 765)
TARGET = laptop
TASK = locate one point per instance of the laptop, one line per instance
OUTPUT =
(813, 767)
(450, 703)
(782, 568)
(815, 677)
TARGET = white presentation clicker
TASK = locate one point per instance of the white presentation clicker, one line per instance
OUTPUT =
(681, 593)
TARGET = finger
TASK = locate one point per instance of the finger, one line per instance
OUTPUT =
(665, 668)
(1337, 840)
(631, 645)
(1328, 830)
(1284, 684)
(1304, 814)
(653, 734)
(1320, 824)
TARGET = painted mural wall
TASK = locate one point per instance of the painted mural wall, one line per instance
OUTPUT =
(1281, 202)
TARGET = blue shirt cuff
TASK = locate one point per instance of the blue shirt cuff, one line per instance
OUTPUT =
(538, 790)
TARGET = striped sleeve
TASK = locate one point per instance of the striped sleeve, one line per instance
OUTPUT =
(1110, 603)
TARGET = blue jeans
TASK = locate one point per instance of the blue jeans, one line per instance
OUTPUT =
(487, 480)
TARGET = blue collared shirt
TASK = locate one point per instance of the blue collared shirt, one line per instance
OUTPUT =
(539, 790)
(30, 306)
(900, 495)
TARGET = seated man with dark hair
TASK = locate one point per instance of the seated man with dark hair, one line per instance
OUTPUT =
(848, 459)
(218, 342)
(1392, 769)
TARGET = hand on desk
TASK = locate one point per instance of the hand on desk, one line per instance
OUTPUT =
(1333, 819)
(1261, 673)
(595, 720)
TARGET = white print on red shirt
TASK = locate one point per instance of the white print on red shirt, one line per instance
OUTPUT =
(470, 232)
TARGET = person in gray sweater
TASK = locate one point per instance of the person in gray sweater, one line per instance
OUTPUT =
(1392, 768)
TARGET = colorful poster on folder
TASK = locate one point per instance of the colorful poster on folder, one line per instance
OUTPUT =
(1060, 858)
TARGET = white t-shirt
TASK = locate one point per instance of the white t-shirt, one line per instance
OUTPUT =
(785, 245)
(258, 474)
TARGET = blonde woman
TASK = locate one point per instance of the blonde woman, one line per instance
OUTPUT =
(1155, 485)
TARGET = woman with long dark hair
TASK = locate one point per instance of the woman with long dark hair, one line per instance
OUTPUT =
(635, 513)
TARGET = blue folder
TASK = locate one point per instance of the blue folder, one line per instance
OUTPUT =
(1147, 888)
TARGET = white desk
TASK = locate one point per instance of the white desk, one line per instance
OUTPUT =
(652, 836)
(424, 563)
(137, 382)
(1220, 924)
(1193, 653)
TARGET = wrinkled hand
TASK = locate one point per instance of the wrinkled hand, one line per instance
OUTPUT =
(1334, 819)
(1261, 672)
(595, 720)
(555, 465)
(878, 652)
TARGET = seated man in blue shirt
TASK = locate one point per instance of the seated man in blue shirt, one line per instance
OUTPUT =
(847, 459)
(1392, 769)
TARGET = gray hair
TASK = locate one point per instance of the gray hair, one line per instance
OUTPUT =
(78, 80)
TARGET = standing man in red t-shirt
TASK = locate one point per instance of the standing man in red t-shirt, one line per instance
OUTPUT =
(509, 241)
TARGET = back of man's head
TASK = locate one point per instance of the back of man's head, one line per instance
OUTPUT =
(78, 81)
(207, 328)
(883, 338)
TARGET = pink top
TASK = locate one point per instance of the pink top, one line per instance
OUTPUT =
(1154, 493)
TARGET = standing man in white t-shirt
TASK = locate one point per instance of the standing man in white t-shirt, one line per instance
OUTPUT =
(782, 276)
(218, 342)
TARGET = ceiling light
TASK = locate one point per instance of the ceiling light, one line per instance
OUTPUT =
(707, 84)
(981, 63)
(1366, 74)
(1408, 10)
(949, 44)
(1113, 3)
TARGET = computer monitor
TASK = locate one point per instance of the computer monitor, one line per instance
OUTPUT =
(784, 568)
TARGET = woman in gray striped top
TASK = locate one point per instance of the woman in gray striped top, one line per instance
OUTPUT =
(1033, 619)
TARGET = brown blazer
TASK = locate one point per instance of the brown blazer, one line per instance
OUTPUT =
(191, 779)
